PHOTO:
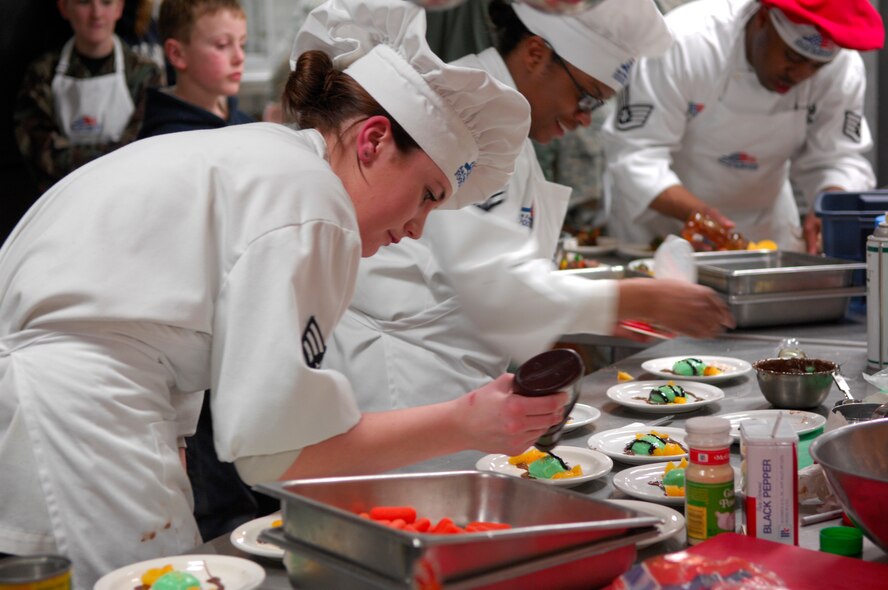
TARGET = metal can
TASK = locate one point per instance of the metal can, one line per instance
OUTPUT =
(35, 572)
(877, 298)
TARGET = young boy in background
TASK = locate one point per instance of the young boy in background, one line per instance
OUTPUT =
(84, 101)
(204, 42)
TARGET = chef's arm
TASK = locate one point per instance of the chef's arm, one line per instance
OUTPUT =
(685, 308)
(489, 419)
(678, 202)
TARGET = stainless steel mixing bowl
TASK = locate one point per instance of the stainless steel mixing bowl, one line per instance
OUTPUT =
(855, 460)
(795, 383)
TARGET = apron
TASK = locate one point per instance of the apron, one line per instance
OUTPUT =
(739, 161)
(106, 397)
(92, 110)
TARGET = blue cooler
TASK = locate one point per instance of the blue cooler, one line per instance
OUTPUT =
(848, 219)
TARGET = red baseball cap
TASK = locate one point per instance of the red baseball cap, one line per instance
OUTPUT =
(852, 24)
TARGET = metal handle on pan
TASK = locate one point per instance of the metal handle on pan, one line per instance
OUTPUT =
(279, 538)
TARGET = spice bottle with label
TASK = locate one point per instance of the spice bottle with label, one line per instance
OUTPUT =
(709, 479)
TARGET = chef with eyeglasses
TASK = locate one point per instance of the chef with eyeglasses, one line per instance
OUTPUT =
(753, 99)
(432, 316)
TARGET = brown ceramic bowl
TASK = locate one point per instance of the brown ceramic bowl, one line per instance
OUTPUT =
(795, 383)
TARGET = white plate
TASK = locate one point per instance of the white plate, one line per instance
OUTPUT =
(581, 415)
(635, 482)
(235, 573)
(673, 521)
(731, 367)
(246, 537)
(801, 422)
(626, 393)
(633, 250)
(594, 465)
(605, 245)
(612, 443)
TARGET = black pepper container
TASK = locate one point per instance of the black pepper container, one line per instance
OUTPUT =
(548, 373)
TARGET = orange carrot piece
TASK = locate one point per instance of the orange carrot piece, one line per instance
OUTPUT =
(407, 513)
(422, 525)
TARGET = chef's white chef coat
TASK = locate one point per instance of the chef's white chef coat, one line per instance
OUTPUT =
(217, 259)
(699, 117)
(434, 318)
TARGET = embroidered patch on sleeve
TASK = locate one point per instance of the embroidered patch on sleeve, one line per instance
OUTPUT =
(631, 116)
(313, 346)
(851, 128)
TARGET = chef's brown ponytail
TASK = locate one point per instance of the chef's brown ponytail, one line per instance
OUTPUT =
(318, 96)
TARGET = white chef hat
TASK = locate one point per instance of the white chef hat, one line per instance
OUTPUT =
(470, 125)
(803, 37)
(605, 40)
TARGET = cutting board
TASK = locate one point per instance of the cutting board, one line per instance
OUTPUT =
(799, 568)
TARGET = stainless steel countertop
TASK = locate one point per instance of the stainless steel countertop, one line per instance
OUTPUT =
(843, 342)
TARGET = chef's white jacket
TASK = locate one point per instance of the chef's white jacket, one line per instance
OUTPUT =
(698, 116)
(434, 318)
(217, 259)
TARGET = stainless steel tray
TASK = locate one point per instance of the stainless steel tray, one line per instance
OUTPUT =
(763, 271)
(599, 272)
(323, 513)
(777, 309)
(584, 567)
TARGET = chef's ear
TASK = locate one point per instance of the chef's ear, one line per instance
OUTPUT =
(373, 134)
(535, 52)
(63, 8)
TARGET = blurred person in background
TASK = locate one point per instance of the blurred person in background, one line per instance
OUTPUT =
(84, 101)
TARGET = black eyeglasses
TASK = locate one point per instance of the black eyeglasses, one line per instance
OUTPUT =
(587, 102)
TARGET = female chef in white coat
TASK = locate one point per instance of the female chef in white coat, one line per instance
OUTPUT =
(223, 259)
(433, 316)
(751, 96)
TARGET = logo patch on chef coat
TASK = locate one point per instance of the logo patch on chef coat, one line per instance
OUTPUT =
(525, 218)
(851, 128)
(631, 116)
(695, 108)
(740, 161)
(313, 346)
(86, 125)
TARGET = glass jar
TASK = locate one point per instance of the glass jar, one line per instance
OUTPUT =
(709, 479)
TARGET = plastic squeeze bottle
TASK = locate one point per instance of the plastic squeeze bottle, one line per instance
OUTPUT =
(709, 479)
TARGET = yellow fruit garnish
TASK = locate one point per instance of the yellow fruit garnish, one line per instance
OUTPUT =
(276, 523)
(575, 471)
(709, 371)
(762, 245)
(527, 457)
(670, 466)
(622, 376)
(150, 576)
(680, 400)
(669, 450)
(674, 490)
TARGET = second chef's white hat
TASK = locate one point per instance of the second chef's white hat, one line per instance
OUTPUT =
(469, 124)
(605, 40)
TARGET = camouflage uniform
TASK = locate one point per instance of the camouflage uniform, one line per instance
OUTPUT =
(577, 160)
(43, 145)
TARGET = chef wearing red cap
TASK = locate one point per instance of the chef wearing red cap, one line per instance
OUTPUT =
(754, 98)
